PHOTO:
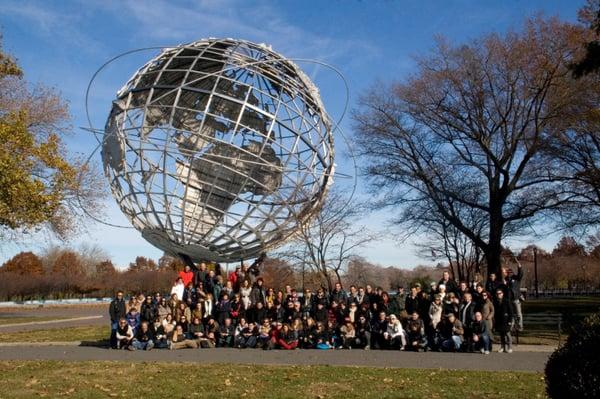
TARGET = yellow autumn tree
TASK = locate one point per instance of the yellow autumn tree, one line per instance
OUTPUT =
(41, 185)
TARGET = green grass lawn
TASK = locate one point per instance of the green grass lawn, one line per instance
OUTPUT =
(82, 333)
(577, 305)
(25, 379)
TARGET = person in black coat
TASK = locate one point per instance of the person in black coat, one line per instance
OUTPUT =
(116, 311)
(144, 337)
(412, 301)
(148, 310)
(450, 284)
(321, 313)
(363, 331)
(378, 328)
(480, 336)
(503, 317)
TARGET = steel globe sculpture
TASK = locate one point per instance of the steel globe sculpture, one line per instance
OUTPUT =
(218, 150)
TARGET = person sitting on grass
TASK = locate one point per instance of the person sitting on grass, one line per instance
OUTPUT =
(169, 324)
(334, 331)
(288, 339)
(196, 332)
(212, 332)
(394, 335)
(323, 337)
(124, 334)
(144, 338)
(251, 335)
(264, 334)
(450, 332)
(378, 329)
(180, 341)
(226, 331)
(417, 340)
(363, 331)
(349, 338)
(309, 336)
(480, 337)
(160, 335)
(185, 325)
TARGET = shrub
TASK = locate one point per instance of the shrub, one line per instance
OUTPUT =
(573, 371)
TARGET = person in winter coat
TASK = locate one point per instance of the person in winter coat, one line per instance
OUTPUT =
(379, 327)
(162, 309)
(187, 276)
(223, 309)
(148, 312)
(144, 338)
(178, 288)
(412, 301)
(226, 333)
(480, 335)
(487, 311)
(415, 331)
(116, 311)
(513, 284)
(394, 335)
(450, 333)
(503, 316)
(258, 293)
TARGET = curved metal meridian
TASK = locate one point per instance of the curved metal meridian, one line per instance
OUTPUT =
(218, 149)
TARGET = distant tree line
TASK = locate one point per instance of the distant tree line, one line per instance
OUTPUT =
(60, 273)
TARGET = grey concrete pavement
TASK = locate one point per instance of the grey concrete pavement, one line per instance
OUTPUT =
(517, 361)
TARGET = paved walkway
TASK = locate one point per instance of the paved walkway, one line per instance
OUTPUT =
(517, 361)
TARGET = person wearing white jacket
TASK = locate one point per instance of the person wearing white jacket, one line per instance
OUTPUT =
(394, 336)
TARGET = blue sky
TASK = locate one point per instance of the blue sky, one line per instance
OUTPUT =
(62, 43)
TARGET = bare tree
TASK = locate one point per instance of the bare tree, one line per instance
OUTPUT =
(468, 132)
(328, 241)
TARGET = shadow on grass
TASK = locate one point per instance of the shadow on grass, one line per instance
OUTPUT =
(101, 343)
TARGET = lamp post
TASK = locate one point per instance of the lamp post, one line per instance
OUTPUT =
(535, 267)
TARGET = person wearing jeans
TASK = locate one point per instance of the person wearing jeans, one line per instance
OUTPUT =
(451, 333)
(480, 337)
(144, 338)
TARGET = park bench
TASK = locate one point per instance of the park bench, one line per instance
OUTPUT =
(542, 319)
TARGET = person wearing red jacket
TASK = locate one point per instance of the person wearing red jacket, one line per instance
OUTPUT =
(187, 275)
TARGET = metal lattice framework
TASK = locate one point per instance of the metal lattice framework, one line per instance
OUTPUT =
(218, 149)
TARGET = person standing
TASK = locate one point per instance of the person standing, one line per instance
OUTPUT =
(504, 319)
(513, 283)
(117, 312)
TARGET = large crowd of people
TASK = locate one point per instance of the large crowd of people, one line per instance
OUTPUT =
(206, 309)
